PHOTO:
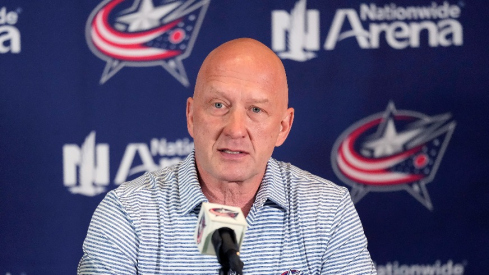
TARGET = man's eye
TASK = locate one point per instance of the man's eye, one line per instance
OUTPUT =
(218, 105)
(256, 110)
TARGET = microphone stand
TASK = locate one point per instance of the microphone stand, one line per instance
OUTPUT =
(227, 251)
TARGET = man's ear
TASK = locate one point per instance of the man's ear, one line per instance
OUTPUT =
(190, 116)
(285, 126)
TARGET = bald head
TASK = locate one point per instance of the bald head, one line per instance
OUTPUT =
(242, 57)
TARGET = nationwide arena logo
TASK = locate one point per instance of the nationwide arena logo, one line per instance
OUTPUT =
(140, 34)
(296, 35)
(392, 151)
(86, 167)
(9, 34)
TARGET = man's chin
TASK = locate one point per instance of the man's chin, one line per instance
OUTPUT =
(234, 176)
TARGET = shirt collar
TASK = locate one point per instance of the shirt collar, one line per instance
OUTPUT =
(189, 189)
(272, 187)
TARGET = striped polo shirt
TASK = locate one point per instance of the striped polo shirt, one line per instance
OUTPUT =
(299, 224)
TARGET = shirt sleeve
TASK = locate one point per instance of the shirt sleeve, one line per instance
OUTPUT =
(346, 251)
(111, 243)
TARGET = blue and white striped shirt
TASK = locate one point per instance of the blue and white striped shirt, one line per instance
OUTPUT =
(298, 221)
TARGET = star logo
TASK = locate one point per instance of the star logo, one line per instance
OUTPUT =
(145, 35)
(392, 151)
(390, 141)
(146, 16)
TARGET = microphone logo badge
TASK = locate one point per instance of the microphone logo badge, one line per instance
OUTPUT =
(392, 151)
(144, 35)
(200, 231)
(292, 272)
(224, 212)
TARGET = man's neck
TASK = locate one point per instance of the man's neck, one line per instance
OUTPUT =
(238, 194)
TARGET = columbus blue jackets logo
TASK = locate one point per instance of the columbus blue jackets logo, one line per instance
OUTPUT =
(137, 33)
(292, 272)
(200, 231)
(392, 151)
(224, 212)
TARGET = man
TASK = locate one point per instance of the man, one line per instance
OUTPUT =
(297, 222)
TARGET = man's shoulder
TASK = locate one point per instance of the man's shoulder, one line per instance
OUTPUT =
(147, 182)
(303, 181)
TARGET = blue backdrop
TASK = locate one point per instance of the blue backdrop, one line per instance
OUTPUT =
(390, 99)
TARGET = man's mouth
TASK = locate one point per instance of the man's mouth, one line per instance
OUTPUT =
(231, 151)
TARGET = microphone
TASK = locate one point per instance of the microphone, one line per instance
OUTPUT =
(220, 231)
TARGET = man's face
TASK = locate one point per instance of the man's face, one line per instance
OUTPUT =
(237, 116)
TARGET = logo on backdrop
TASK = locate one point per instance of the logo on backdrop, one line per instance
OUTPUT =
(9, 34)
(86, 167)
(438, 267)
(296, 35)
(392, 151)
(145, 35)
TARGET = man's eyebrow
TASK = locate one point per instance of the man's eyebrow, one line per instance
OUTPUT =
(216, 92)
(264, 100)
(213, 93)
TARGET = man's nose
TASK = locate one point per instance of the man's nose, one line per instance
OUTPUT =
(236, 124)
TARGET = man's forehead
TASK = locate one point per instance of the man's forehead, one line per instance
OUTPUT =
(237, 68)
(253, 69)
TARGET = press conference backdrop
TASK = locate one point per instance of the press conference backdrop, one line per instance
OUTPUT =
(390, 98)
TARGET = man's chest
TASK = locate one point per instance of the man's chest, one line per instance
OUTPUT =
(275, 242)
